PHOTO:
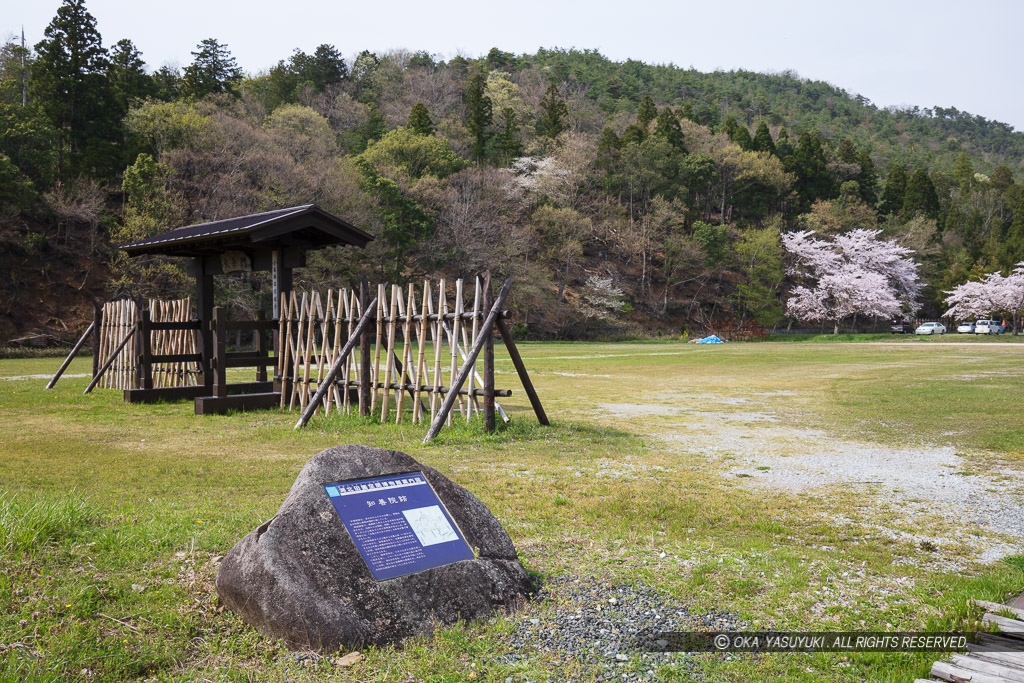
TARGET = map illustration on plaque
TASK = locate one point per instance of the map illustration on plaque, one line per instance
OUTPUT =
(430, 525)
(398, 524)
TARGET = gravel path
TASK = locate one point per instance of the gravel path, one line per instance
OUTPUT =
(926, 486)
(594, 623)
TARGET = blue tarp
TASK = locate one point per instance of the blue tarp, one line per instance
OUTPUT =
(713, 339)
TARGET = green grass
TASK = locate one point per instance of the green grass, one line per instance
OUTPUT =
(111, 515)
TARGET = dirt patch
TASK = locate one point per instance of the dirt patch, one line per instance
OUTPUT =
(949, 496)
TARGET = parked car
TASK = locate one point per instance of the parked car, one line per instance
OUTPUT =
(901, 327)
(965, 328)
(988, 327)
(931, 328)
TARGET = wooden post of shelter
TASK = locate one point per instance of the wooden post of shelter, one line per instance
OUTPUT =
(204, 308)
(144, 346)
(220, 345)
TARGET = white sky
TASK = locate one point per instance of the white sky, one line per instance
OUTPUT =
(894, 52)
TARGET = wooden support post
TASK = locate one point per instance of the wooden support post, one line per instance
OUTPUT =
(220, 343)
(517, 360)
(360, 331)
(392, 320)
(404, 374)
(421, 366)
(67, 361)
(110, 360)
(284, 384)
(438, 341)
(97, 330)
(476, 375)
(299, 352)
(261, 348)
(144, 359)
(486, 329)
(204, 308)
(472, 403)
(350, 314)
(364, 352)
(375, 368)
(488, 363)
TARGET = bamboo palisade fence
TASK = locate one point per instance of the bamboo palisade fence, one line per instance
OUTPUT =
(428, 342)
(119, 345)
(418, 347)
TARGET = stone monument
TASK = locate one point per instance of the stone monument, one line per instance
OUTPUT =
(369, 548)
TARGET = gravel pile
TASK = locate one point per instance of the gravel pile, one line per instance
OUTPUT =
(597, 623)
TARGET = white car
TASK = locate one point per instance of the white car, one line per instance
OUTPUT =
(965, 328)
(931, 328)
(988, 327)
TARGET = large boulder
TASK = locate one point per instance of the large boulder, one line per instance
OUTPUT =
(300, 578)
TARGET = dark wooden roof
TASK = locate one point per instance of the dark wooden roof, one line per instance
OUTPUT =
(307, 225)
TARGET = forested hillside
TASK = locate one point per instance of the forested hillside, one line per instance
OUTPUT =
(627, 198)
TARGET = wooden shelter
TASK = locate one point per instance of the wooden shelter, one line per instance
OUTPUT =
(275, 241)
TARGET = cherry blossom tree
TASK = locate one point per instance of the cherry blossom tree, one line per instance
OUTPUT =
(854, 273)
(993, 294)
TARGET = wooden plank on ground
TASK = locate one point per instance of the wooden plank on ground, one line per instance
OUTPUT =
(1013, 660)
(1012, 628)
(993, 668)
(997, 608)
(957, 674)
(1000, 642)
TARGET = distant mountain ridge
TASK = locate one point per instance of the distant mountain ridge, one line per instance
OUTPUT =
(912, 136)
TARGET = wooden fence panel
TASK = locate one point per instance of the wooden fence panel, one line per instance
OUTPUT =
(419, 348)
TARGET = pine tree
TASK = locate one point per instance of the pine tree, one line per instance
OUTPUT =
(895, 191)
(667, 126)
(763, 139)
(551, 122)
(127, 75)
(128, 82)
(645, 113)
(688, 113)
(784, 148)
(847, 152)
(213, 70)
(963, 172)
(920, 197)
(730, 126)
(326, 67)
(741, 137)
(1001, 178)
(633, 134)
(510, 145)
(68, 81)
(868, 178)
(419, 120)
(813, 179)
(363, 70)
(478, 114)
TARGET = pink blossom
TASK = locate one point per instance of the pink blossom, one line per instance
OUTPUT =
(992, 294)
(855, 273)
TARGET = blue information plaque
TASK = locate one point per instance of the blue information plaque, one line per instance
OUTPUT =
(398, 524)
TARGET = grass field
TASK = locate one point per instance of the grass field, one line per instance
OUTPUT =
(686, 469)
